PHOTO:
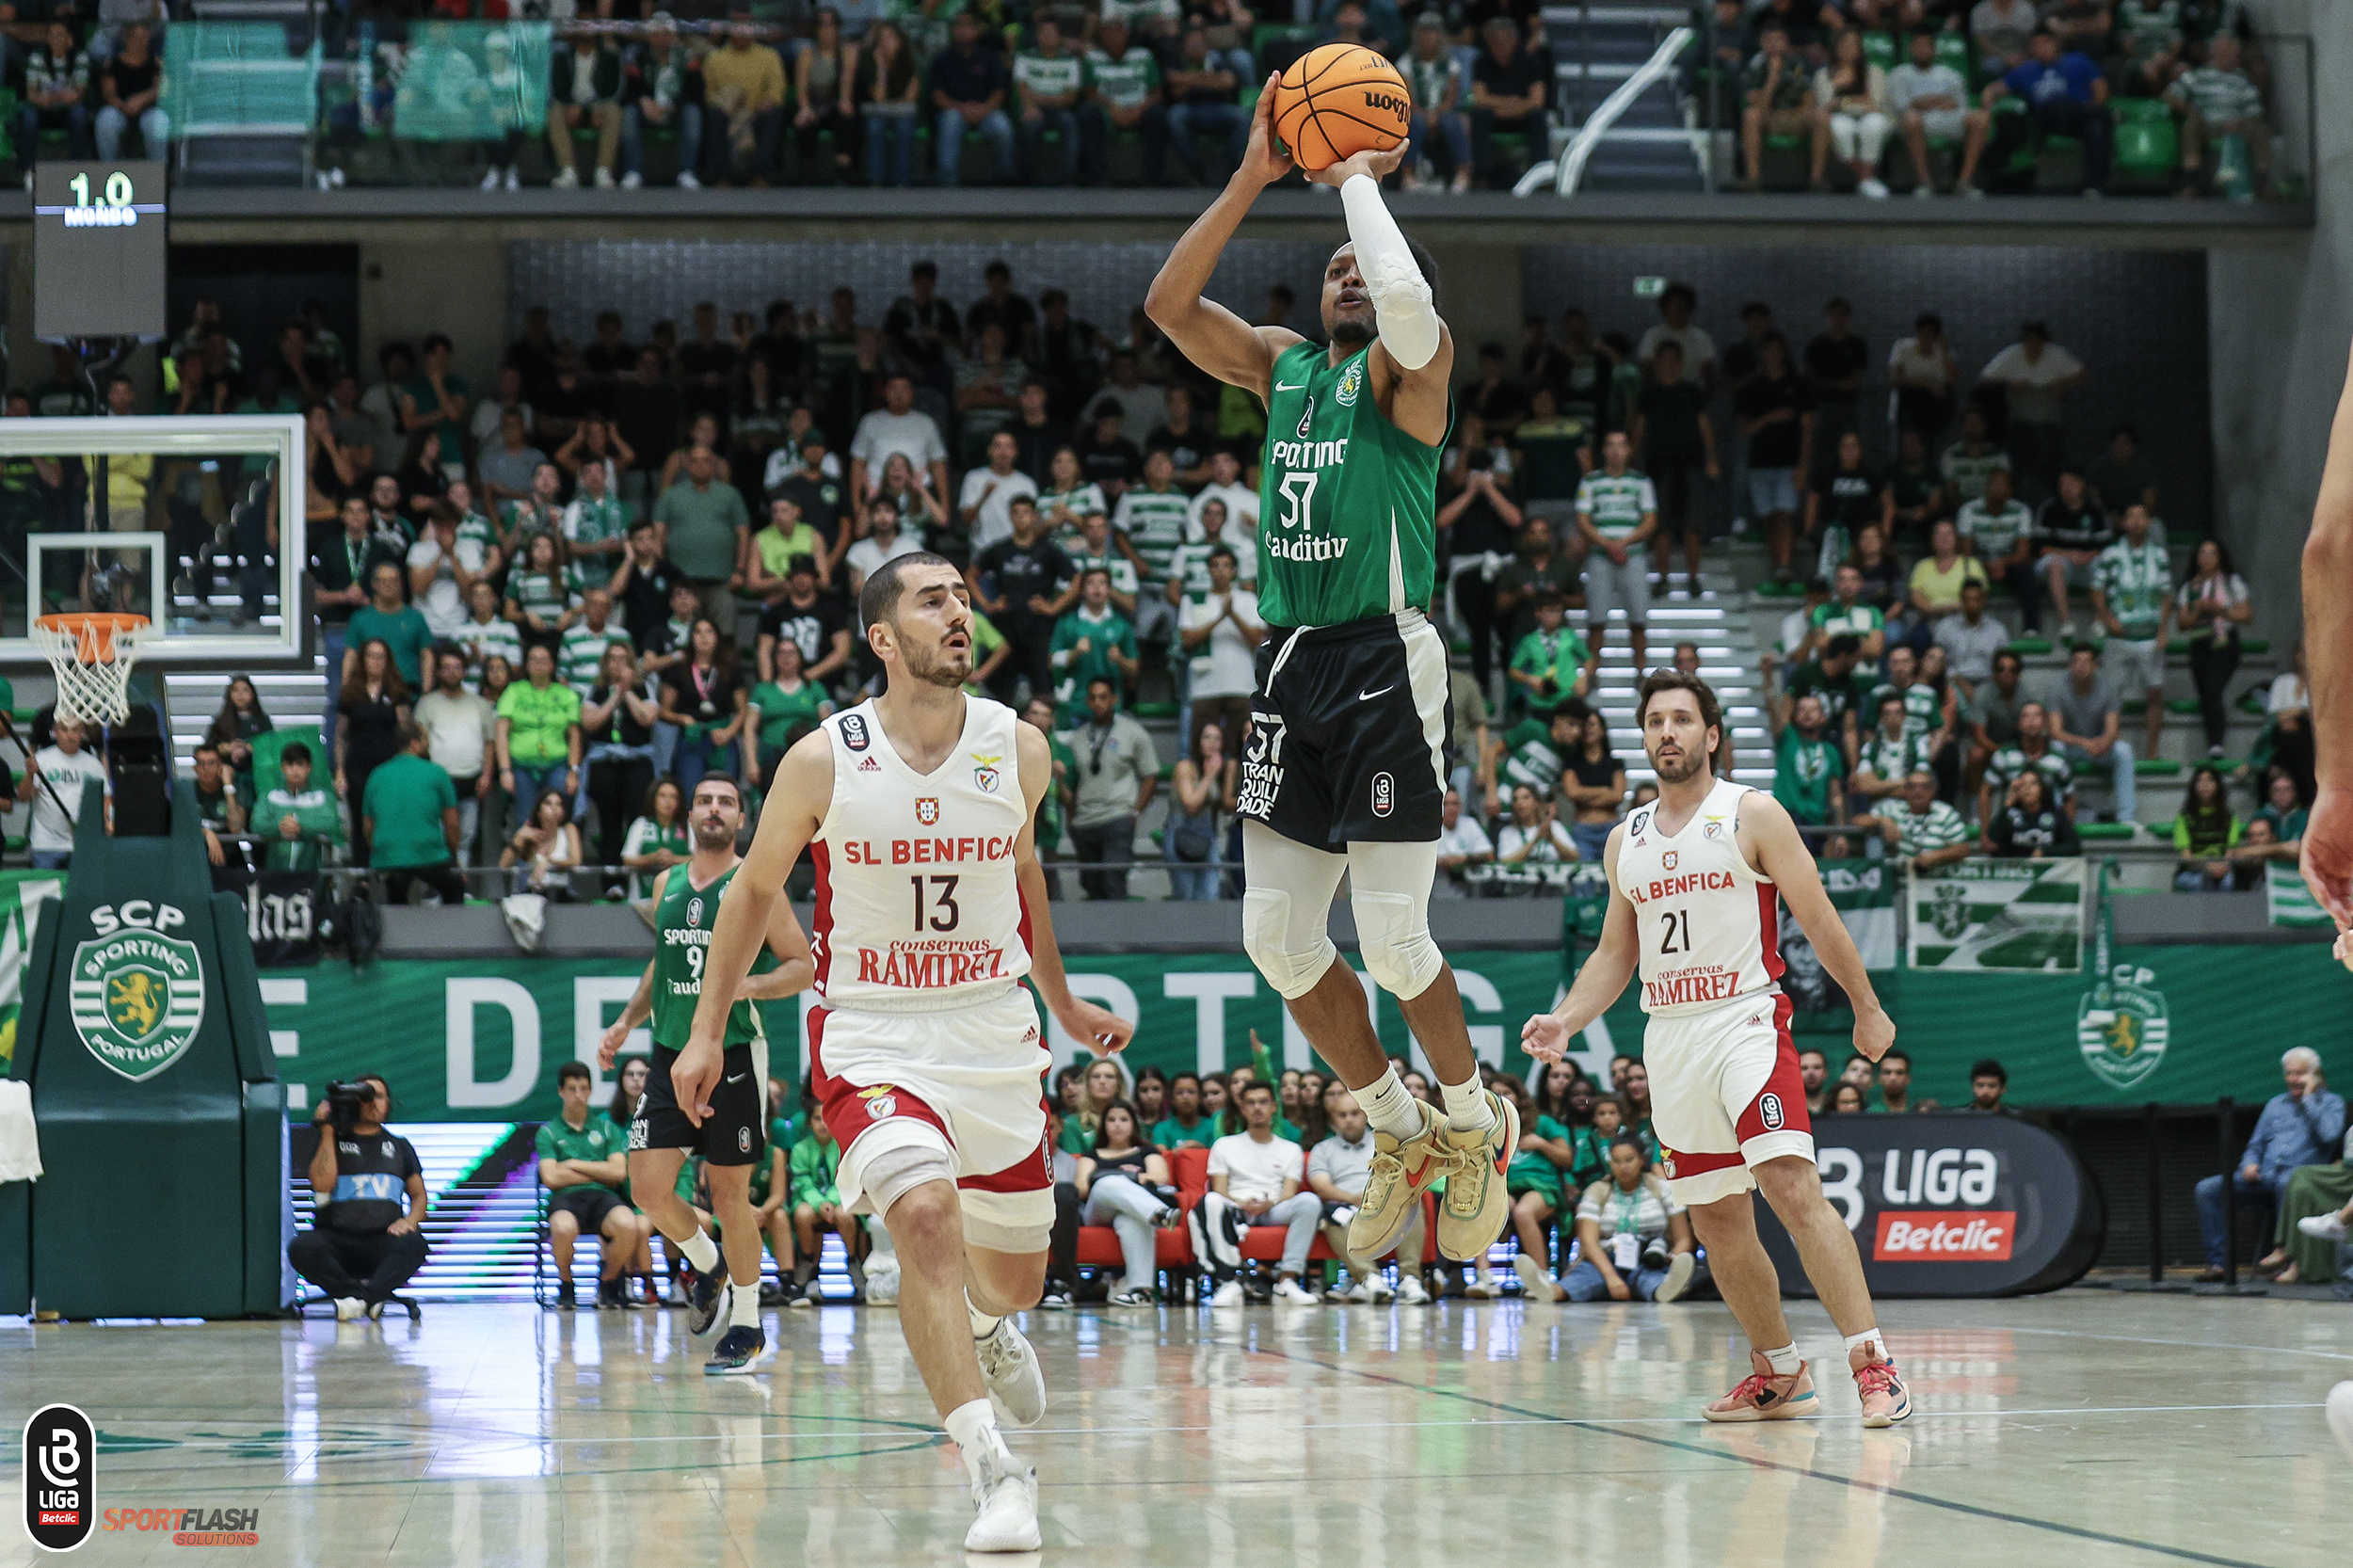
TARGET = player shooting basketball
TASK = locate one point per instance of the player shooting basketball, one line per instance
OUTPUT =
(1344, 771)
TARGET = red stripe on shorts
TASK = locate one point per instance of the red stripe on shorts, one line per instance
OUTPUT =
(1780, 1105)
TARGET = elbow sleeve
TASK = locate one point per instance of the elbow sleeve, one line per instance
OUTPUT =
(1401, 302)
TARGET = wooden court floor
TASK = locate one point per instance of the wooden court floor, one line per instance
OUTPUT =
(2088, 1428)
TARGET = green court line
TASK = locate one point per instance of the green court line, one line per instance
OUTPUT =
(1975, 1511)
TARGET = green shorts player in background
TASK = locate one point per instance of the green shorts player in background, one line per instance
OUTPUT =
(733, 1140)
(1344, 771)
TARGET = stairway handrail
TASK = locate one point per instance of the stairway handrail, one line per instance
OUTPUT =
(1570, 169)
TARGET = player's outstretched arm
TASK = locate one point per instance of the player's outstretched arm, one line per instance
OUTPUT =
(2328, 853)
(1210, 335)
(1104, 1030)
(802, 794)
(1546, 1035)
(1782, 854)
(1413, 358)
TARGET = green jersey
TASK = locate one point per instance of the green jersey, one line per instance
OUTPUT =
(2137, 580)
(1616, 504)
(1154, 521)
(1348, 503)
(1803, 772)
(1558, 655)
(682, 922)
(1534, 758)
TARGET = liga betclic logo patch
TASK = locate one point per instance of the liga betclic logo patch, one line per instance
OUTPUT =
(60, 1478)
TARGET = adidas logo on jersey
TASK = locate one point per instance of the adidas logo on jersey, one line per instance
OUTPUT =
(869, 765)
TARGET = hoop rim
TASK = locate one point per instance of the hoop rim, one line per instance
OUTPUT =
(82, 626)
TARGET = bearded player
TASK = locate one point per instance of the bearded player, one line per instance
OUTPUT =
(733, 1139)
(1693, 878)
(926, 1059)
(2328, 853)
(1344, 772)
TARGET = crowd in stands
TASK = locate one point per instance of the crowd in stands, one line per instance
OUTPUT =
(1280, 1150)
(627, 563)
(995, 92)
(2164, 96)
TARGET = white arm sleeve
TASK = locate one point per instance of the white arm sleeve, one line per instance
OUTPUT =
(1400, 296)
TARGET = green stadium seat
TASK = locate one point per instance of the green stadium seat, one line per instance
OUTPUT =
(2029, 645)
(2157, 767)
(2104, 831)
(1779, 590)
(2185, 706)
(1879, 49)
(2252, 702)
(2148, 145)
(2254, 644)
(1952, 48)
(1154, 709)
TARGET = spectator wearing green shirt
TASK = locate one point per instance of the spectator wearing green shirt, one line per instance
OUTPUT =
(1617, 509)
(1534, 1177)
(583, 1165)
(1844, 691)
(710, 532)
(1536, 753)
(299, 822)
(438, 401)
(1925, 832)
(538, 734)
(409, 812)
(1094, 642)
(1050, 78)
(1809, 768)
(2132, 598)
(785, 708)
(817, 1207)
(2205, 832)
(1185, 1123)
(1849, 614)
(580, 651)
(1122, 97)
(1552, 662)
(1053, 811)
(390, 618)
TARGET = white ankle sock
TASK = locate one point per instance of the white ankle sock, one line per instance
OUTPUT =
(1786, 1361)
(973, 1429)
(983, 1324)
(1868, 1336)
(700, 1250)
(1467, 1107)
(743, 1307)
(1389, 1108)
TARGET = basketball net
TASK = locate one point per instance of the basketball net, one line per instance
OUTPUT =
(92, 654)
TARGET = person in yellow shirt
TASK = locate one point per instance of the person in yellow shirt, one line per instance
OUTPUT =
(128, 474)
(744, 81)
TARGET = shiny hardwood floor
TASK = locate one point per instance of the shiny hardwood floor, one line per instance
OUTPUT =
(2083, 1428)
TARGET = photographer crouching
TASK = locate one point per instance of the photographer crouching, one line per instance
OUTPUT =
(362, 1245)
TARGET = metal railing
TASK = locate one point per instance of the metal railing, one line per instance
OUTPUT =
(1564, 171)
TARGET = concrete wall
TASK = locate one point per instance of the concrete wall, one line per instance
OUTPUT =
(2280, 318)
(445, 279)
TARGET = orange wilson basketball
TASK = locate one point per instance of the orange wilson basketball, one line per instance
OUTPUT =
(1337, 101)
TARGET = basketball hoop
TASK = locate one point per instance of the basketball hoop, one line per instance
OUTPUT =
(92, 653)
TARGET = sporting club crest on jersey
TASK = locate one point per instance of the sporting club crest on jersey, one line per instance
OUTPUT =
(984, 772)
(694, 911)
(853, 731)
(1352, 384)
(927, 811)
(1667, 860)
(880, 1102)
(1308, 418)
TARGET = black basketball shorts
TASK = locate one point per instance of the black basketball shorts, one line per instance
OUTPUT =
(735, 1133)
(1348, 733)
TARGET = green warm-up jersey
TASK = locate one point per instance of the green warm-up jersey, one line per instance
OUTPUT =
(1348, 503)
(682, 933)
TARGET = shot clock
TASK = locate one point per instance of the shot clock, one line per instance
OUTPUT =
(98, 250)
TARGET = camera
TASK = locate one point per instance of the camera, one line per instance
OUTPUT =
(347, 1103)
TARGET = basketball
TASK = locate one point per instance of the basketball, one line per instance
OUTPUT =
(1337, 101)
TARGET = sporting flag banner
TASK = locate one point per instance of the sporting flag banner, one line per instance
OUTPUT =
(2008, 916)
(2289, 900)
(20, 893)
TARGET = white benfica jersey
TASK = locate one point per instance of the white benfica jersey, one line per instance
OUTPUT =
(1708, 925)
(917, 906)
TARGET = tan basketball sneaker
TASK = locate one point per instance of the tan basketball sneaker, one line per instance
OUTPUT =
(1401, 1173)
(1767, 1396)
(1885, 1400)
(1477, 1205)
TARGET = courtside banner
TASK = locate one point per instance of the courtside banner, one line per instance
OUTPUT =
(1952, 1205)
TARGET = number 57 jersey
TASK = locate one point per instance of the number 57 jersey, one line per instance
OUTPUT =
(917, 906)
(1708, 923)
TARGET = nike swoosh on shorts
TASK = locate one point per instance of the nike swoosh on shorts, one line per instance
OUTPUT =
(1368, 696)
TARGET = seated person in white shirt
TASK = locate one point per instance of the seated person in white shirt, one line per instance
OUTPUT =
(1463, 846)
(1254, 1181)
(883, 541)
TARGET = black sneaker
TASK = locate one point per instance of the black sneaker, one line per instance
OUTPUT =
(703, 1294)
(739, 1350)
(609, 1294)
(566, 1301)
